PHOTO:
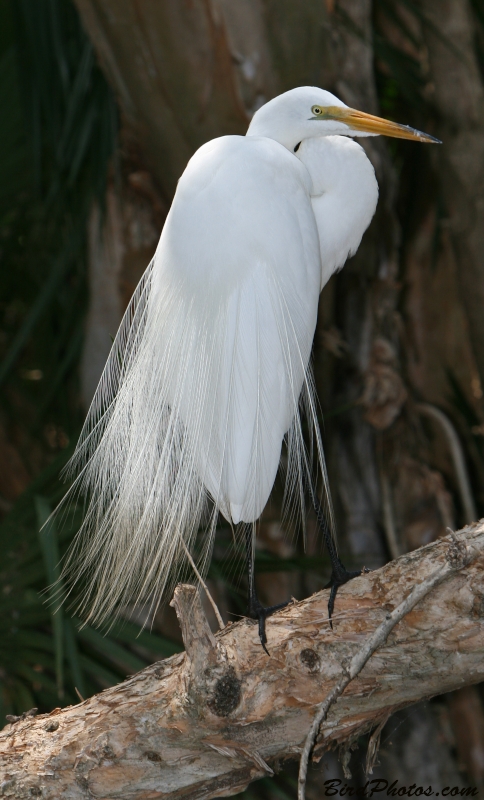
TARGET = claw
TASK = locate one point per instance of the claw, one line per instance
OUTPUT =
(260, 613)
(339, 576)
(332, 598)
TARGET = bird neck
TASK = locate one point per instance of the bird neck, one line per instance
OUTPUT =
(274, 126)
(344, 196)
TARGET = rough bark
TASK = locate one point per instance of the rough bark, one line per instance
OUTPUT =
(207, 722)
(365, 298)
(105, 254)
(171, 68)
(121, 242)
(457, 93)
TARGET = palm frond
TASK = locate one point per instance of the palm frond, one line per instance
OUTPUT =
(46, 654)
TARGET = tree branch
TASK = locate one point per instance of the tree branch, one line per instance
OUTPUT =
(208, 722)
(457, 557)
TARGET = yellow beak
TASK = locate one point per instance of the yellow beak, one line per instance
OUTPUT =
(359, 121)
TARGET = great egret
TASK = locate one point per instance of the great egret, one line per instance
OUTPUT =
(210, 365)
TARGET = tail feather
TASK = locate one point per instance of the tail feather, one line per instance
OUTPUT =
(157, 454)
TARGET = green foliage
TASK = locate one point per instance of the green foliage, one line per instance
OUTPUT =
(57, 148)
(46, 654)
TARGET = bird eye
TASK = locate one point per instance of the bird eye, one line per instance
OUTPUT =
(317, 110)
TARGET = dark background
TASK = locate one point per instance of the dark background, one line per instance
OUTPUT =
(102, 102)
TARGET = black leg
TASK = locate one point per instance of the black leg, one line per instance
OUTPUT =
(339, 573)
(256, 610)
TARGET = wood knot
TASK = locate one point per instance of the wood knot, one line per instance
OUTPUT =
(310, 659)
(51, 726)
(151, 755)
(226, 694)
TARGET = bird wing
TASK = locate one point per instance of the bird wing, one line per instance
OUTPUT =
(206, 373)
(241, 244)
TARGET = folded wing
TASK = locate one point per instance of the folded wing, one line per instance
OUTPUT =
(205, 376)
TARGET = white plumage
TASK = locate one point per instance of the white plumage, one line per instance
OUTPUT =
(209, 366)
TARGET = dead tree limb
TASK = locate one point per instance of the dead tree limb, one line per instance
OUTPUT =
(457, 557)
(207, 722)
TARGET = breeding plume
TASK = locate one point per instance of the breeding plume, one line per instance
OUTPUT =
(208, 374)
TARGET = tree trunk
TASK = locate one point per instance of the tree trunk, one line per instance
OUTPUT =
(201, 69)
(364, 300)
(458, 96)
(207, 723)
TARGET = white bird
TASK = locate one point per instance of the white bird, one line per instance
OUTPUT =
(209, 369)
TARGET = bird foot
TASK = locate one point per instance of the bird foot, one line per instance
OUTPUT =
(339, 576)
(260, 613)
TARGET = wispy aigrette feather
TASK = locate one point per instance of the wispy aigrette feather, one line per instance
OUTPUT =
(210, 368)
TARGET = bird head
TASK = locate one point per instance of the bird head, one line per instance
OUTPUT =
(309, 112)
